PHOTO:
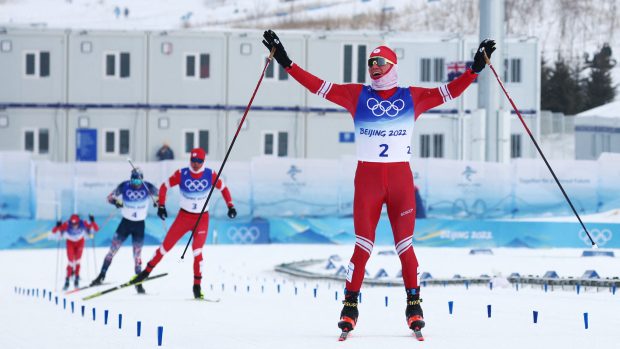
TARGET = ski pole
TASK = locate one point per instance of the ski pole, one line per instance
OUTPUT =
(57, 261)
(488, 61)
(219, 173)
(150, 195)
(107, 220)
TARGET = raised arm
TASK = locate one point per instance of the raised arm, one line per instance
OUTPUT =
(345, 95)
(427, 98)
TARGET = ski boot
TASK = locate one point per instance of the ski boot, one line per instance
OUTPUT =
(99, 280)
(76, 282)
(414, 314)
(140, 277)
(66, 286)
(349, 313)
(140, 289)
(198, 292)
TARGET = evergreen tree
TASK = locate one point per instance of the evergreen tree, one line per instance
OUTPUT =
(560, 90)
(598, 87)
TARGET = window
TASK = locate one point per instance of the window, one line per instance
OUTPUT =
(512, 70)
(439, 69)
(432, 69)
(425, 146)
(197, 66)
(515, 145)
(29, 140)
(117, 65)
(194, 139)
(276, 72)
(435, 148)
(37, 140)
(425, 66)
(116, 141)
(438, 145)
(44, 141)
(275, 143)
(354, 60)
(37, 64)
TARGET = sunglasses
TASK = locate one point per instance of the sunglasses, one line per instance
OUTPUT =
(200, 161)
(380, 61)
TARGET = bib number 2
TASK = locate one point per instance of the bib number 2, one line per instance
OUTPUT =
(383, 153)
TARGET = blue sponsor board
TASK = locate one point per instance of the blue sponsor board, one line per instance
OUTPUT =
(18, 233)
(86, 144)
(346, 137)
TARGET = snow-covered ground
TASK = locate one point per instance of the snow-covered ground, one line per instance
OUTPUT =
(264, 318)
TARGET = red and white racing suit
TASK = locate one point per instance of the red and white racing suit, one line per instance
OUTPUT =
(75, 234)
(384, 123)
(194, 188)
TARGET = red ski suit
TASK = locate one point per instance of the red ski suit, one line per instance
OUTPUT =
(185, 221)
(75, 242)
(377, 183)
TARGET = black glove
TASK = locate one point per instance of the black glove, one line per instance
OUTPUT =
(232, 213)
(91, 218)
(162, 213)
(58, 224)
(271, 40)
(488, 46)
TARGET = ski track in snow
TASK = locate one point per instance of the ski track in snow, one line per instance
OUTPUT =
(257, 319)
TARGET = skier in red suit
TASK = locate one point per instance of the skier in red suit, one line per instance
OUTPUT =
(384, 116)
(74, 231)
(194, 184)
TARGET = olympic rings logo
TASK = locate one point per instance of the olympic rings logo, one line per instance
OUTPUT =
(243, 235)
(388, 108)
(600, 237)
(135, 194)
(196, 185)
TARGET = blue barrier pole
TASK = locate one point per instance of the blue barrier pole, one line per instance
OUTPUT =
(120, 321)
(72, 307)
(450, 306)
(585, 320)
(139, 328)
(94, 314)
(278, 288)
(64, 303)
(105, 317)
(315, 293)
(535, 313)
(83, 309)
(160, 335)
(489, 310)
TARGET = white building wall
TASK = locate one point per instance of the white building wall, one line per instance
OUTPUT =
(18, 87)
(88, 82)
